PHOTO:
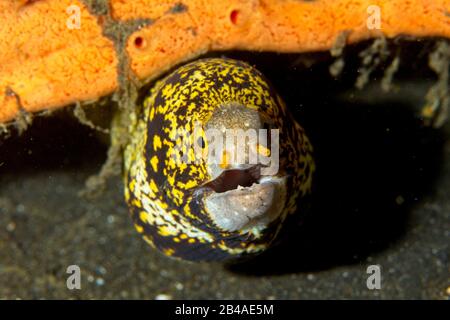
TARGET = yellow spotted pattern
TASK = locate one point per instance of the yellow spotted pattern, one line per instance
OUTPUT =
(160, 189)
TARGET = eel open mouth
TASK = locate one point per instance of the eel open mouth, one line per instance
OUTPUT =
(240, 199)
(233, 178)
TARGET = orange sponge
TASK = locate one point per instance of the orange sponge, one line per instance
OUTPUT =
(57, 52)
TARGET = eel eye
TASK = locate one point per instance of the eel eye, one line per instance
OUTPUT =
(201, 142)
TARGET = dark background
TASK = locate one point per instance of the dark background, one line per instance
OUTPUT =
(381, 196)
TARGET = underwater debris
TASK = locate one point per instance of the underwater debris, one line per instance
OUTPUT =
(386, 82)
(96, 183)
(371, 57)
(435, 111)
(336, 51)
(23, 118)
(125, 96)
(80, 114)
(4, 131)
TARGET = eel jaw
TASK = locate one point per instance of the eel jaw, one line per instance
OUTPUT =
(239, 200)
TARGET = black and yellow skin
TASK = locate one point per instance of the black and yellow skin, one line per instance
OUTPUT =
(162, 192)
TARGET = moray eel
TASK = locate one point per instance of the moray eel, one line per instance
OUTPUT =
(195, 204)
